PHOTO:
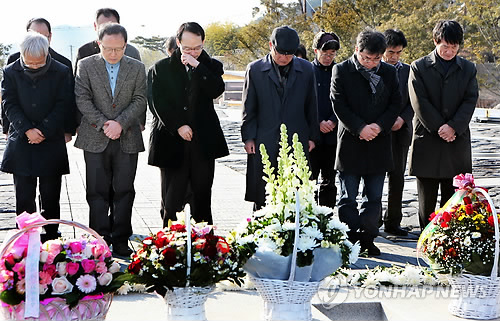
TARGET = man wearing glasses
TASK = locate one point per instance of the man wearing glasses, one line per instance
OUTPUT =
(325, 45)
(110, 90)
(186, 137)
(279, 89)
(366, 99)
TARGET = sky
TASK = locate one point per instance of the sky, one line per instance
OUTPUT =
(72, 21)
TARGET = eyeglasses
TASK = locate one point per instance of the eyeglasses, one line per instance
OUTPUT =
(188, 49)
(115, 50)
(365, 59)
(35, 64)
(331, 55)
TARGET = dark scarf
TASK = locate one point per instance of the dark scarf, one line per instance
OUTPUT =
(33, 74)
(369, 74)
(446, 64)
(282, 71)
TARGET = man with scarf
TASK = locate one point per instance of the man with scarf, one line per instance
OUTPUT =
(279, 89)
(36, 91)
(325, 45)
(366, 99)
(186, 137)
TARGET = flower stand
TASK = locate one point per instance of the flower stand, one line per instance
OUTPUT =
(478, 296)
(91, 307)
(187, 303)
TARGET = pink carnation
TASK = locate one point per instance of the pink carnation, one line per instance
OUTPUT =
(50, 269)
(45, 278)
(72, 268)
(101, 267)
(88, 265)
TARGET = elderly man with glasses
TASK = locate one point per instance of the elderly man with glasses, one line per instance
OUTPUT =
(366, 99)
(110, 91)
(36, 91)
(279, 89)
(186, 136)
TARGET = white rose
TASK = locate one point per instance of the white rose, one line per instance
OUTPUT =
(61, 268)
(61, 286)
(115, 267)
(43, 256)
(88, 251)
(105, 279)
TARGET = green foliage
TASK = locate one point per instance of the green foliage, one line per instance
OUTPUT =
(221, 39)
(155, 43)
(4, 49)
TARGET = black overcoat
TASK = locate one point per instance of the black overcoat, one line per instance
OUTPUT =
(264, 112)
(176, 101)
(355, 107)
(39, 103)
(440, 98)
(404, 134)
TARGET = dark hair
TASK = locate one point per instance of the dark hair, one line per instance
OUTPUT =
(449, 31)
(107, 12)
(112, 28)
(38, 20)
(192, 27)
(170, 44)
(301, 51)
(326, 41)
(371, 41)
(395, 37)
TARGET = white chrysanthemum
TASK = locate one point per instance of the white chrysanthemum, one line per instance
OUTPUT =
(370, 281)
(266, 244)
(318, 209)
(306, 243)
(124, 289)
(246, 239)
(273, 228)
(325, 244)
(355, 249)
(335, 223)
(312, 232)
(476, 235)
(289, 226)
(353, 279)
(139, 287)
(383, 276)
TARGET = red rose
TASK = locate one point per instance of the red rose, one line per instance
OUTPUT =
(170, 257)
(488, 208)
(178, 228)
(444, 224)
(446, 217)
(135, 267)
(432, 216)
(491, 221)
(222, 246)
(161, 242)
(467, 200)
(50, 269)
(468, 209)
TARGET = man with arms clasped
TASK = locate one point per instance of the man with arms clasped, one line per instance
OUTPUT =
(110, 93)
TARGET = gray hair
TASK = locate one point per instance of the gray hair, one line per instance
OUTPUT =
(35, 45)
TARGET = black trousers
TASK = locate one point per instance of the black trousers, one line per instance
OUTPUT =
(50, 192)
(393, 214)
(427, 189)
(197, 172)
(116, 170)
(323, 160)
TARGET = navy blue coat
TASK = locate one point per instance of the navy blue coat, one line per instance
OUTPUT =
(325, 108)
(39, 103)
(355, 107)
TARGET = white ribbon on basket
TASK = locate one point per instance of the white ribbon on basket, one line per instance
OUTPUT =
(296, 239)
(187, 211)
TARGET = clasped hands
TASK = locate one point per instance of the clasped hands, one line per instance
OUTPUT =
(447, 133)
(112, 129)
(250, 146)
(369, 132)
(35, 136)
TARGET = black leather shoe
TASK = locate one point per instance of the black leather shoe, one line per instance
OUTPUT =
(396, 231)
(371, 249)
(120, 249)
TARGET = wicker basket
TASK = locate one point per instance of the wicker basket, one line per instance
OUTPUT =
(478, 297)
(89, 308)
(187, 303)
(286, 300)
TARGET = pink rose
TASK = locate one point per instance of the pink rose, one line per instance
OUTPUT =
(100, 267)
(72, 268)
(54, 247)
(50, 269)
(98, 250)
(75, 247)
(88, 265)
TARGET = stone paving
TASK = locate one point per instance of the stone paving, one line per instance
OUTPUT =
(229, 208)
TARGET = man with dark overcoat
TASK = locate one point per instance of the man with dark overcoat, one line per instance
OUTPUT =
(279, 89)
(186, 137)
(401, 134)
(110, 90)
(325, 45)
(366, 99)
(443, 93)
(36, 90)
(42, 26)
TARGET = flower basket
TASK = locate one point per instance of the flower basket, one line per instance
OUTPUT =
(187, 303)
(463, 241)
(91, 305)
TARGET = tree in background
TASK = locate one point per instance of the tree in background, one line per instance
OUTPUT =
(4, 50)
(155, 43)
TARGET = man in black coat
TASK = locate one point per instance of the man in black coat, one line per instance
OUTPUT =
(186, 137)
(366, 99)
(36, 90)
(443, 92)
(279, 89)
(325, 45)
(42, 26)
(401, 134)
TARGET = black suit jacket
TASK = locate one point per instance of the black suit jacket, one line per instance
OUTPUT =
(70, 119)
(404, 134)
(178, 101)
